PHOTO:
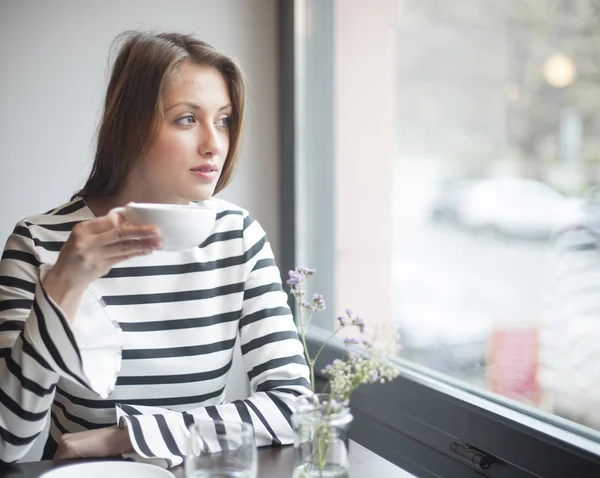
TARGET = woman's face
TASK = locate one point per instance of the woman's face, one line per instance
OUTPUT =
(186, 159)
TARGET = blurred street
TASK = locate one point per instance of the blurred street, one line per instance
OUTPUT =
(452, 286)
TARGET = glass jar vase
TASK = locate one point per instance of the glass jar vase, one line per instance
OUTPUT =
(321, 442)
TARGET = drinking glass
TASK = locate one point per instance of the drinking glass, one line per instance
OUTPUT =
(220, 449)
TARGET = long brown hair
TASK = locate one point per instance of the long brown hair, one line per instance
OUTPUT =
(145, 66)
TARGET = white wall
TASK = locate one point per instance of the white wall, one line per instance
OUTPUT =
(53, 69)
(365, 60)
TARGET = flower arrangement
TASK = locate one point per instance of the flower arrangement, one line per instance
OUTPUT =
(321, 421)
(356, 367)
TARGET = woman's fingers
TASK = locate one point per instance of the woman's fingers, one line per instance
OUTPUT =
(108, 244)
(102, 224)
(126, 232)
(130, 248)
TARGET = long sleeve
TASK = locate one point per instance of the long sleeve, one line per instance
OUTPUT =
(273, 359)
(38, 347)
(569, 359)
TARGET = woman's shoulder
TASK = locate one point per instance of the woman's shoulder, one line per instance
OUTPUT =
(46, 232)
(225, 207)
(230, 215)
(70, 213)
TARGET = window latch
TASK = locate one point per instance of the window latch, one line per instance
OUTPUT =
(472, 455)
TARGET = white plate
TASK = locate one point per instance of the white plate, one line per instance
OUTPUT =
(109, 469)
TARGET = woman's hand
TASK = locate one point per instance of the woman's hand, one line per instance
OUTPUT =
(91, 250)
(101, 443)
(95, 246)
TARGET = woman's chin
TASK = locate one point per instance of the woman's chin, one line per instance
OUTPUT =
(202, 195)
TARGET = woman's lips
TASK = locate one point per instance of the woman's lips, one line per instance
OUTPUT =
(207, 174)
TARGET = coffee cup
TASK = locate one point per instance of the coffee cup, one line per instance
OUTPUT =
(182, 226)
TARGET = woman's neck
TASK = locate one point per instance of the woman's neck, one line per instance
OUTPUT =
(100, 206)
(135, 189)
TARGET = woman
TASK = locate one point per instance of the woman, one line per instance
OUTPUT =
(169, 134)
(569, 363)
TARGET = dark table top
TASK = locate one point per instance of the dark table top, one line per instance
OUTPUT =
(272, 463)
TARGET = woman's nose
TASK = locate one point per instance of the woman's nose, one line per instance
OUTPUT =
(210, 142)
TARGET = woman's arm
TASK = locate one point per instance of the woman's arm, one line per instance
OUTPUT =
(31, 335)
(569, 357)
(40, 342)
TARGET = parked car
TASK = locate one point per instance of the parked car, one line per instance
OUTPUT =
(448, 200)
(511, 208)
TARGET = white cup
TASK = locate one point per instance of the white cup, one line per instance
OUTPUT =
(182, 226)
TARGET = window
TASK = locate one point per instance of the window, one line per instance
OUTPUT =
(441, 159)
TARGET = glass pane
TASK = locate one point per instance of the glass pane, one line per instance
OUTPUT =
(464, 149)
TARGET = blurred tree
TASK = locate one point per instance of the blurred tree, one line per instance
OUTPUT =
(471, 83)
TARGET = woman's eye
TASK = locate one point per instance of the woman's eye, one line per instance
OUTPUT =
(224, 122)
(186, 120)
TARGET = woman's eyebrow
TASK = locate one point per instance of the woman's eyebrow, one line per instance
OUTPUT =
(195, 106)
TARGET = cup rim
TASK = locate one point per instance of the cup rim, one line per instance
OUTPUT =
(200, 205)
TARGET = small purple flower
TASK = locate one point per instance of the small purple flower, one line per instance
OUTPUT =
(295, 277)
(306, 272)
(349, 313)
(319, 302)
(360, 323)
(306, 305)
(343, 320)
(367, 343)
(350, 341)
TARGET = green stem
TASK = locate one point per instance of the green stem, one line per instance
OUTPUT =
(320, 452)
(323, 445)
(303, 328)
(310, 363)
(318, 457)
(325, 343)
(308, 321)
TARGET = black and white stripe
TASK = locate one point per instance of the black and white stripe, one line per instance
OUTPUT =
(569, 352)
(152, 344)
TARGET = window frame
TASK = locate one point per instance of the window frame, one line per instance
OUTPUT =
(426, 413)
(414, 420)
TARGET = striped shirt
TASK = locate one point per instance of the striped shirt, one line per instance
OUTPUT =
(152, 342)
(570, 353)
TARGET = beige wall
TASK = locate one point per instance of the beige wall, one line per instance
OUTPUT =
(364, 154)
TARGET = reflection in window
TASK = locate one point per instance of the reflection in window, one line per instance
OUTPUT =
(466, 146)
(499, 126)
